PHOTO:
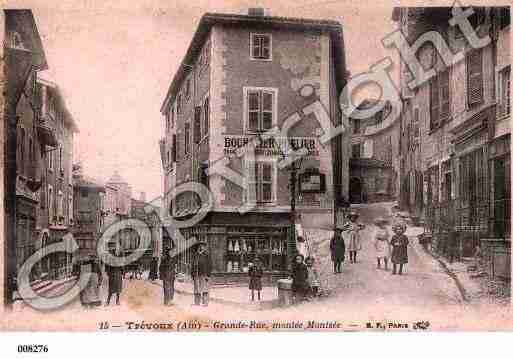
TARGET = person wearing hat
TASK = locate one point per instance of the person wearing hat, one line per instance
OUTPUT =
(255, 278)
(338, 250)
(399, 245)
(167, 272)
(382, 242)
(299, 278)
(200, 272)
(353, 241)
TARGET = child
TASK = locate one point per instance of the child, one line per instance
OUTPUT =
(353, 243)
(255, 273)
(313, 276)
(299, 278)
(399, 245)
(381, 242)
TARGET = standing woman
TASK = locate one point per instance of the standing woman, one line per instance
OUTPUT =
(338, 250)
(90, 296)
(115, 274)
(299, 278)
(399, 245)
(353, 241)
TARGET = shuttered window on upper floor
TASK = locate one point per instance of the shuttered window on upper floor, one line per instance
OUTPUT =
(475, 77)
(440, 99)
(260, 46)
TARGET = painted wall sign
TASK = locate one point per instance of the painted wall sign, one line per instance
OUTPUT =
(273, 146)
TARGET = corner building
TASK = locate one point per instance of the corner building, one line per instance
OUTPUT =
(241, 76)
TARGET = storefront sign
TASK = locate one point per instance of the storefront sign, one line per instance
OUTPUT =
(274, 146)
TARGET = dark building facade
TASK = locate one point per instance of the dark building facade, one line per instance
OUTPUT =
(455, 130)
(374, 163)
(243, 75)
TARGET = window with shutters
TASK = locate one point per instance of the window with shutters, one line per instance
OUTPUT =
(356, 150)
(186, 138)
(197, 124)
(356, 125)
(475, 77)
(260, 179)
(505, 88)
(179, 104)
(260, 106)
(261, 47)
(21, 148)
(188, 89)
(440, 105)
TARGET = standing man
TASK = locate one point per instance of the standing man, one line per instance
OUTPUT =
(338, 250)
(200, 272)
(167, 271)
(115, 274)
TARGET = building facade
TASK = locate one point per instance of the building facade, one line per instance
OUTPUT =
(455, 128)
(23, 56)
(55, 217)
(241, 76)
(374, 163)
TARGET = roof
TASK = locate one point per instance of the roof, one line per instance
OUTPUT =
(68, 118)
(23, 22)
(88, 183)
(275, 22)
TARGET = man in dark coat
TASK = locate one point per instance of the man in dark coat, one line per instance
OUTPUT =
(115, 274)
(338, 251)
(200, 272)
(300, 278)
(154, 265)
(167, 274)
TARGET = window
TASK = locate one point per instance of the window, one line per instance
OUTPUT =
(70, 208)
(188, 89)
(260, 47)
(356, 125)
(260, 108)
(179, 104)
(186, 140)
(475, 77)
(60, 159)
(173, 149)
(31, 150)
(60, 206)
(22, 151)
(206, 117)
(504, 88)
(356, 150)
(50, 160)
(504, 17)
(378, 117)
(260, 184)
(439, 99)
(416, 124)
(203, 176)
(50, 204)
(197, 124)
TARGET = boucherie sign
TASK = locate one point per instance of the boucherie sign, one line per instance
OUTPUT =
(272, 146)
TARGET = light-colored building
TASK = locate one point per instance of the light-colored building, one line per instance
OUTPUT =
(241, 76)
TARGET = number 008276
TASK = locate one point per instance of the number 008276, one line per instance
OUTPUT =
(33, 348)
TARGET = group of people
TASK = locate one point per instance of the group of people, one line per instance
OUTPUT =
(90, 295)
(394, 248)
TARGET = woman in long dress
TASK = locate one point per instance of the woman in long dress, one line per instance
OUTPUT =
(91, 293)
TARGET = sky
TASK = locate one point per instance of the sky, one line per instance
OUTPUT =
(114, 61)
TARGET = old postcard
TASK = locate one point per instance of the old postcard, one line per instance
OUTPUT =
(255, 166)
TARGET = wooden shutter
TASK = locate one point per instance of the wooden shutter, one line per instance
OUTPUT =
(197, 124)
(173, 149)
(475, 77)
(256, 47)
(443, 83)
(206, 117)
(434, 103)
(253, 101)
(265, 47)
(267, 110)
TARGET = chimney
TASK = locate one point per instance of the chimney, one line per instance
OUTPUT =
(142, 197)
(256, 11)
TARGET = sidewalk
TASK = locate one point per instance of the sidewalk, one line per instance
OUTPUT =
(239, 296)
